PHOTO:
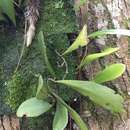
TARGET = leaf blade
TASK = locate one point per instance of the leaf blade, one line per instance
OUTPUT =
(61, 117)
(90, 58)
(44, 53)
(110, 31)
(42, 90)
(80, 41)
(33, 108)
(99, 94)
(110, 73)
(76, 117)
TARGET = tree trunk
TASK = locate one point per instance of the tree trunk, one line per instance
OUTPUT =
(98, 15)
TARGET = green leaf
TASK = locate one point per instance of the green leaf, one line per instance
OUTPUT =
(1, 16)
(90, 58)
(33, 108)
(42, 90)
(110, 73)
(61, 117)
(110, 31)
(99, 94)
(76, 117)
(79, 42)
(8, 8)
(44, 53)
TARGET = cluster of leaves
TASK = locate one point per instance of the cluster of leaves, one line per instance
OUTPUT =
(7, 8)
(98, 93)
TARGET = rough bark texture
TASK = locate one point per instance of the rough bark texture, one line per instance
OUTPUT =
(9, 123)
(102, 14)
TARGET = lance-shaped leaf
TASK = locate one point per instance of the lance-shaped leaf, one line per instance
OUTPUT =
(90, 58)
(99, 94)
(75, 116)
(33, 108)
(110, 31)
(80, 41)
(43, 49)
(61, 117)
(8, 8)
(110, 73)
(42, 90)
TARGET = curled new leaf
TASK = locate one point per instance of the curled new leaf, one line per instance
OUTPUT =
(110, 73)
(99, 94)
(7, 7)
(110, 31)
(61, 117)
(33, 108)
(81, 41)
(42, 90)
(88, 59)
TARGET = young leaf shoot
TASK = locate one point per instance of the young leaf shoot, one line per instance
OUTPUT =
(80, 41)
(42, 90)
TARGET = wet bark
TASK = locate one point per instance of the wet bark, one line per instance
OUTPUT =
(98, 15)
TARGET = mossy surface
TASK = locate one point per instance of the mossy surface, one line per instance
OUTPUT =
(56, 20)
(57, 16)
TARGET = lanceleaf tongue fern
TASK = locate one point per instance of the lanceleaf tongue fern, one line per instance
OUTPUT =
(98, 93)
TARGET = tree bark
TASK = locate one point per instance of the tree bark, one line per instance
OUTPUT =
(99, 14)
(9, 123)
(104, 14)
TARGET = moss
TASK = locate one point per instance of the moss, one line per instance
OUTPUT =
(20, 88)
(54, 20)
